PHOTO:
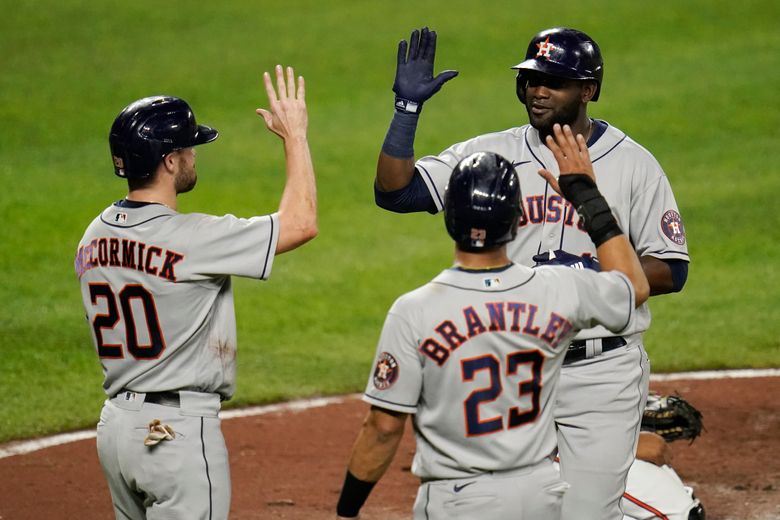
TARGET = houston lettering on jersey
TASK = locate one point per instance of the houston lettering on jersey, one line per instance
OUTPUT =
(517, 317)
(555, 209)
(113, 252)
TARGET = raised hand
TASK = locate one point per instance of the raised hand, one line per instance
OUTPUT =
(287, 117)
(570, 152)
(414, 81)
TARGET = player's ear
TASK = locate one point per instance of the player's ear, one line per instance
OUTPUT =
(588, 90)
(170, 161)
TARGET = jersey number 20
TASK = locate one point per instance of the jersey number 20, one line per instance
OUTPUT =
(109, 320)
(490, 363)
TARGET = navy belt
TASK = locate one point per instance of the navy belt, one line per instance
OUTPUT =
(577, 350)
(163, 398)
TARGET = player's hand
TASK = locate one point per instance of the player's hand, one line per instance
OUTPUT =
(287, 117)
(414, 79)
(571, 154)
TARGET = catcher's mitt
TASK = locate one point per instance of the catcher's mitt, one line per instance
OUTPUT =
(671, 417)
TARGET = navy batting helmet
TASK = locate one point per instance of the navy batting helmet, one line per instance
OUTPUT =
(564, 53)
(482, 202)
(147, 130)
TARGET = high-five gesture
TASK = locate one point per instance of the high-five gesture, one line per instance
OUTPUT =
(288, 117)
(577, 184)
(414, 81)
(571, 154)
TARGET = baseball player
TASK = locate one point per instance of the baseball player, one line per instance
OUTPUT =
(474, 356)
(605, 375)
(157, 291)
(654, 491)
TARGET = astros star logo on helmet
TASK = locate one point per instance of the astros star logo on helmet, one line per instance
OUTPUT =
(545, 48)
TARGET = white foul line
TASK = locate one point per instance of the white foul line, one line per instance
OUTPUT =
(22, 447)
(717, 374)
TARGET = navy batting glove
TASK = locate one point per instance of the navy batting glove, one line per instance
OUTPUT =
(560, 257)
(414, 81)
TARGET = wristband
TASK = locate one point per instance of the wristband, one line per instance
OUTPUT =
(353, 495)
(399, 141)
(407, 106)
(581, 191)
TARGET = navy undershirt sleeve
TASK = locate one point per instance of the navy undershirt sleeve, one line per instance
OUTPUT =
(413, 198)
(679, 273)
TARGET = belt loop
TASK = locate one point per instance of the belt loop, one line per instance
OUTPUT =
(128, 400)
(598, 346)
(590, 347)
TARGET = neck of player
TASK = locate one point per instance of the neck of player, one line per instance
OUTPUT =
(154, 196)
(582, 125)
(483, 260)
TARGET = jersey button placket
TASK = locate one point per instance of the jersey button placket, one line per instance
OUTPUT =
(550, 236)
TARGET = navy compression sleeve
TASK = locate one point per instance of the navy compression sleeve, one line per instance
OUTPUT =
(410, 199)
(679, 273)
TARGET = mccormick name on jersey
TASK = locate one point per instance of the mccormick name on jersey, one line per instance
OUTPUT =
(517, 317)
(113, 252)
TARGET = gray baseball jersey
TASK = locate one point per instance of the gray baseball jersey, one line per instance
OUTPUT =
(156, 288)
(628, 176)
(476, 355)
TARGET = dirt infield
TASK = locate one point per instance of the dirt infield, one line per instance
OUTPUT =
(290, 464)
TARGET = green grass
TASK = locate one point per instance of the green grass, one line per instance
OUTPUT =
(694, 82)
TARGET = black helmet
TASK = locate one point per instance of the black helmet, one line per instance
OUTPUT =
(147, 130)
(482, 202)
(564, 53)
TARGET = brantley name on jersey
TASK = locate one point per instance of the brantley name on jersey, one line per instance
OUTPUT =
(521, 317)
(111, 252)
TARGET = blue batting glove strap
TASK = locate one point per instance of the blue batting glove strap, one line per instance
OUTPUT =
(561, 257)
(407, 106)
